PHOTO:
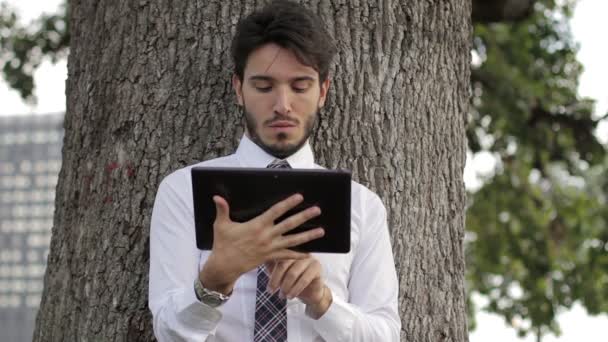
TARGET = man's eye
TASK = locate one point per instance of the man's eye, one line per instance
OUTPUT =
(300, 89)
(263, 89)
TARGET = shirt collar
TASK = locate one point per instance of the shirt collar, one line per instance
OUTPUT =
(251, 155)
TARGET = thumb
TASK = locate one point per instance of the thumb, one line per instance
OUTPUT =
(222, 210)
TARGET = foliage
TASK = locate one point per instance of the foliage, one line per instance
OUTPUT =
(22, 48)
(537, 237)
(537, 229)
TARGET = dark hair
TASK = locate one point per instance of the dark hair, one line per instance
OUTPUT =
(290, 26)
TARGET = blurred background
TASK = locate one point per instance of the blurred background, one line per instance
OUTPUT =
(537, 232)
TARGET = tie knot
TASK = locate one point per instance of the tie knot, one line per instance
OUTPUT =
(279, 164)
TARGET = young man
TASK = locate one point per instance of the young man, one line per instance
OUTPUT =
(251, 286)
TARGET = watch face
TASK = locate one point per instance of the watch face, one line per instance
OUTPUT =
(211, 300)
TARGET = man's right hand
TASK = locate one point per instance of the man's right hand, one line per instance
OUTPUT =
(241, 247)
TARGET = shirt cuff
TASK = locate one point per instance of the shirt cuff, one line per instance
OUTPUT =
(196, 315)
(337, 322)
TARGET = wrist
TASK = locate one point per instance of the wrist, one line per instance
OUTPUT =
(217, 278)
(318, 309)
(209, 297)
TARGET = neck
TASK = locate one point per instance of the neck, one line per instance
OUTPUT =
(274, 152)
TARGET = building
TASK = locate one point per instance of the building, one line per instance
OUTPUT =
(30, 159)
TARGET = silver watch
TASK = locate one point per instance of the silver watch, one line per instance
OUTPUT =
(209, 297)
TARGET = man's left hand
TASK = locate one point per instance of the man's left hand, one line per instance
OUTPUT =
(302, 279)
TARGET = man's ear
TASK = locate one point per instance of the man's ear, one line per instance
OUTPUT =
(238, 89)
(323, 92)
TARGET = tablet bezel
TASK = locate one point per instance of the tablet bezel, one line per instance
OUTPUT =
(329, 189)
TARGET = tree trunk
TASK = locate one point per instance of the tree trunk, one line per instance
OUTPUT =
(148, 92)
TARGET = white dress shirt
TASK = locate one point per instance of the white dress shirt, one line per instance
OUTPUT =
(363, 282)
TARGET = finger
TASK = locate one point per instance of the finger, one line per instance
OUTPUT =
(292, 275)
(284, 254)
(296, 220)
(270, 265)
(281, 208)
(292, 240)
(306, 279)
(222, 210)
(278, 272)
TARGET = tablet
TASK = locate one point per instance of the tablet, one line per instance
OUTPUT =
(250, 192)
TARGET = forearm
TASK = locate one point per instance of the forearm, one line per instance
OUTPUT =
(347, 322)
(174, 265)
(181, 317)
(368, 309)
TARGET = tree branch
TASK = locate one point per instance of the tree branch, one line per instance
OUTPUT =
(489, 11)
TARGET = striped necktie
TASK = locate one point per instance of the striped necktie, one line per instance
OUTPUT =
(279, 164)
(270, 309)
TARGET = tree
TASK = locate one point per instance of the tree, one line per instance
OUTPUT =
(537, 228)
(148, 91)
(22, 48)
(527, 114)
(501, 10)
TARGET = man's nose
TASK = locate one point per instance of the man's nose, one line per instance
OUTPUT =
(282, 103)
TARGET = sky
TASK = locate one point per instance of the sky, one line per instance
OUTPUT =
(589, 27)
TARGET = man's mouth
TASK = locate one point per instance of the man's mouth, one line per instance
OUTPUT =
(282, 124)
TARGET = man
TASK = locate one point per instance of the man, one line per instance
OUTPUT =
(251, 286)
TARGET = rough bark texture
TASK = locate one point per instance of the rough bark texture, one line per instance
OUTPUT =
(148, 92)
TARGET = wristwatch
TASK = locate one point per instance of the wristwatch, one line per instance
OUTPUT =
(209, 297)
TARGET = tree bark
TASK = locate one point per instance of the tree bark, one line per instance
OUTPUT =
(148, 92)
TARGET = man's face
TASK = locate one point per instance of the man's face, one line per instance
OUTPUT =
(280, 97)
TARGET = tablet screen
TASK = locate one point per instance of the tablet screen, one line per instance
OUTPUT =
(249, 192)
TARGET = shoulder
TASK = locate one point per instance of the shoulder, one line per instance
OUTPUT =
(363, 199)
(182, 177)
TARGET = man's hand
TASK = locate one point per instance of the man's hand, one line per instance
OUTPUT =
(240, 247)
(302, 279)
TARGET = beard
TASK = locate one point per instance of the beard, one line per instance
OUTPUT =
(280, 149)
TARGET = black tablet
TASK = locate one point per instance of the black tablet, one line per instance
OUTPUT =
(250, 192)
